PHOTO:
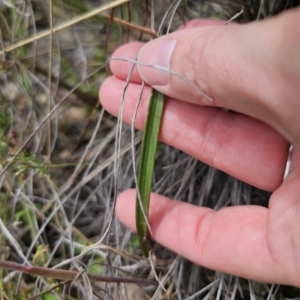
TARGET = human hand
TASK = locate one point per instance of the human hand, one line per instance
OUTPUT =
(252, 69)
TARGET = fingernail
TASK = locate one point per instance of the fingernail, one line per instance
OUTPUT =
(156, 53)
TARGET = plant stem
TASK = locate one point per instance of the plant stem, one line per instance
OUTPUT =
(71, 275)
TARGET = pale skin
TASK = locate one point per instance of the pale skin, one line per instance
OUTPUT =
(254, 70)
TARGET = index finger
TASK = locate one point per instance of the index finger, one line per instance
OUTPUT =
(234, 143)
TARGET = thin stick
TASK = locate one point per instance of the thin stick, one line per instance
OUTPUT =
(71, 275)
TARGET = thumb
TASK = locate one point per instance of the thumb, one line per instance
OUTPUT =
(246, 68)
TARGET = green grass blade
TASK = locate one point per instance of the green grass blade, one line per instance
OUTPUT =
(146, 166)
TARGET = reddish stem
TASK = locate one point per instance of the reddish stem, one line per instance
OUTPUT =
(71, 275)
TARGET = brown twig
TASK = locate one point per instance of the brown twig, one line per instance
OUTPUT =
(71, 275)
(129, 25)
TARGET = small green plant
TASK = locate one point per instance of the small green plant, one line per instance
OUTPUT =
(146, 166)
(56, 188)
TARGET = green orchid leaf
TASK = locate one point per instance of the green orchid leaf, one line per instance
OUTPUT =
(146, 166)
